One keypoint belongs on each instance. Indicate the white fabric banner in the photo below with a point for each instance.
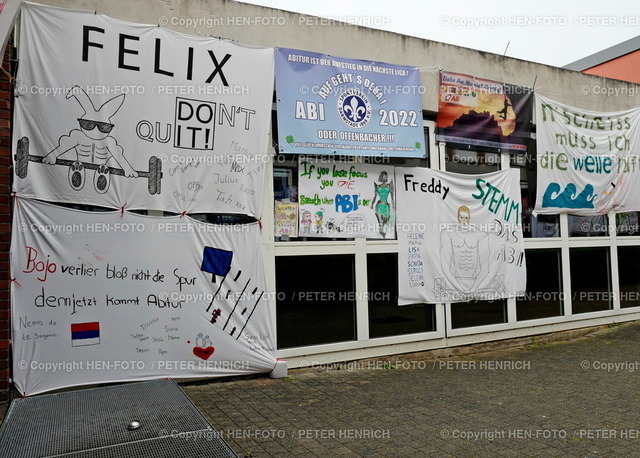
(100, 297)
(459, 236)
(588, 162)
(344, 199)
(112, 113)
(8, 12)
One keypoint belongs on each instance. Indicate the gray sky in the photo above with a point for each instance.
(553, 32)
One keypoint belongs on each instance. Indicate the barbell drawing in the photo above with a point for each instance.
(22, 159)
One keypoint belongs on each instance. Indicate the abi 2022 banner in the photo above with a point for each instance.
(483, 113)
(111, 113)
(459, 236)
(109, 297)
(588, 162)
(344, 199)
(337, 106)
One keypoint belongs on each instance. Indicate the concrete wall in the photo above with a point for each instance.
(272, 27)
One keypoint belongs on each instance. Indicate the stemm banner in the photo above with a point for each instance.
(459, 236)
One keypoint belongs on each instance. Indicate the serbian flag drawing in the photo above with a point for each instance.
(85, 334)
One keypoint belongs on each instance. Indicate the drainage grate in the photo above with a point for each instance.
(93, 423)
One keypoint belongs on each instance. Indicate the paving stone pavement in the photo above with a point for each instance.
(576, 398)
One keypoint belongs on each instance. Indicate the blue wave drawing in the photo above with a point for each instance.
(569, 198)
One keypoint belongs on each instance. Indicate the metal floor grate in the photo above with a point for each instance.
(93, 423)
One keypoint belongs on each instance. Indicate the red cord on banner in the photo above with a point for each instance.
(183, 213)
(16, 282)
(17, 198)
(122, 209)
(260, 223)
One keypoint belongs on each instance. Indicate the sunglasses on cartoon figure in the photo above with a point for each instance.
(87, 124)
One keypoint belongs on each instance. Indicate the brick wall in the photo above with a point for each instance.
(5, 223)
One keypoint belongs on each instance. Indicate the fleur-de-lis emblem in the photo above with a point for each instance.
(353, 109)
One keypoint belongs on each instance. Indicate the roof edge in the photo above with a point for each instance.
(605, 55)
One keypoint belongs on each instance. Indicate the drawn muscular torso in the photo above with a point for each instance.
(89, 150)
(465, 254)
(92, 150)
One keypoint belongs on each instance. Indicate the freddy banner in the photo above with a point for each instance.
(459, 236)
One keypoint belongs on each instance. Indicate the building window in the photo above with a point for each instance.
(628, 224)
(471, 162)
(541, 226)
(588, 226)
(386, 318)
(223, 218)
(315, 303)
(544, 297)
(478, 313)
(285, 183)
(590, 279)
(629, 275)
